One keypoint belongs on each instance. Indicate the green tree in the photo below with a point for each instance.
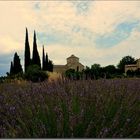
(109, 71)
(50, 66)
(47, 61)
(17, 68)
(87, 72)
(27, 59)
(95, 71)
(36, 58)
(43, 60)
(70, 73)
(125, 61)
(11, 69)
(137, 72)
(96, 66)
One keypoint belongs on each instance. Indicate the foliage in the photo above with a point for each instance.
(47, 60)
(16, 68)
(125, 61)
(15, 65)
(73, 75)
(130, 73)
(70, 73)
(87, 72)
(47, 65)
(110, 71)
(36, 57)
(95, 71)
(43, 60)
(35, 74)
(27, 59)
(11, 68)
(50, 66)
(71, 109)
(137, 72)
(2, 79)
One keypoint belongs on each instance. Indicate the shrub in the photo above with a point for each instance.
(130, 73)
(70, 73)
(73, 75)
(34, 74)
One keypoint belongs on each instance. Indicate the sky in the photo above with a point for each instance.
(96, 31)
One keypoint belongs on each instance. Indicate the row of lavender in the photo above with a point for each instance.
(65, 108)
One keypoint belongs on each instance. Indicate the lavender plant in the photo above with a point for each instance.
(71, 109)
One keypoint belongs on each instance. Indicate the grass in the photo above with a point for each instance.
(71, 109)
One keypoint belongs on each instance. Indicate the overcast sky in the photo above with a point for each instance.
(95, 31)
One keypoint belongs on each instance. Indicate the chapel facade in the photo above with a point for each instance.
(72, 63)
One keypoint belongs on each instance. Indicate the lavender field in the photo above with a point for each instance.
(71, 109)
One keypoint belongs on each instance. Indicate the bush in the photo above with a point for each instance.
(34, 74)
(70, 73)
(73, 75)
(2, 79)
(130, 73)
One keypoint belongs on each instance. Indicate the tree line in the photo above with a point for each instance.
(33, 70)
(107, 72)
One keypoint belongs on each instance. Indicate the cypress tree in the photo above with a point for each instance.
(11, 68)
(36, 58)
(17, 68)
(27, 60)
(43, 60)
(46, 65)
(50, 66)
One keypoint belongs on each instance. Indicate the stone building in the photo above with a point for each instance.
(72, 63)
(133, 67)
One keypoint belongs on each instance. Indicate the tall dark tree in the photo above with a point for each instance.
(47, 61)
(43, 60)
(11, 68)
(17, 68)
(27, 59)
(50, 66)
(36, 58)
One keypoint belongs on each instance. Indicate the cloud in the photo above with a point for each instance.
(120, 33)
(77, 36)
(10, 45)
(82, 7)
